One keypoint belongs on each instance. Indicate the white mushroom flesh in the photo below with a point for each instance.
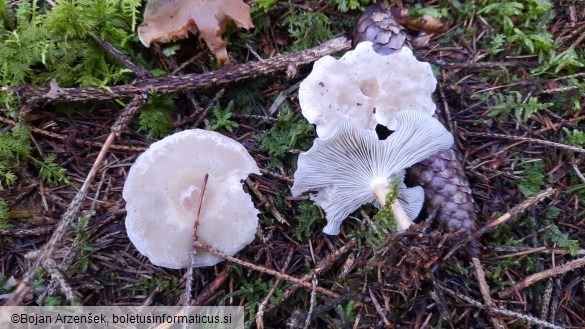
(346, 169)
(162, 196)
(367, 88)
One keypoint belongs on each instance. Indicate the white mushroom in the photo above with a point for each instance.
(367, 88)
(162, 195)
(352, 167)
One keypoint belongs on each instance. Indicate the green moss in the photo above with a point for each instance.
(345, 5)
(4, 215)
(532, 180)
(385, 217)
(288, 132)
(308, 29)
(252, 291)
(383, 220)
(223, 118)
(561, 240)
(308, 218)
(57, 43)
(51, 172)
(522, 24)
(574, 137)
(14, 148)
(156, 117)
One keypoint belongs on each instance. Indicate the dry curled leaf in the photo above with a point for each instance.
(425, 23)
(170, 20)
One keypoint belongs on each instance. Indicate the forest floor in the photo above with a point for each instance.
(510, 80)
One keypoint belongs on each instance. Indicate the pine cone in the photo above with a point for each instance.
(377, 25)
(447, 194)
(448, 197)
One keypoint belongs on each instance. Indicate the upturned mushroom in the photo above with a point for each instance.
(162, 196)
(448, 197)
(352, 167)
(170, 20)
(367, 88)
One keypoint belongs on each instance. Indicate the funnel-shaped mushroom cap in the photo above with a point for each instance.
(170, 20)
(162, 195)
(344, 169)
(367, 88)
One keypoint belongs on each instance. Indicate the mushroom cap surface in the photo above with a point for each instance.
(162, 196)
(343, 169)
(171, 20)
(367, 88)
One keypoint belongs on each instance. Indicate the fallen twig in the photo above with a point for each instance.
(298, 319)
(499, 310)
(113, 147)
(20, 232)
(138, 71)
(578, 172)
(526, 139)
(189, 273)
(546, 299)
(260, 313)
(380, 310)
(173, 84)
(502, 219)
(253, 186)
(211, 288)
(265, 270)
(521, 251)
(485, 290)
(532, 279)
(312, 303)
(323, 265)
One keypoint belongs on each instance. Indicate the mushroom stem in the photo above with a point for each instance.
(400, 217)
(380, 191)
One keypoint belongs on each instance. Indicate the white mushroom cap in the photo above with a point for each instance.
(162, 195)
(367, 88)
(345, 169)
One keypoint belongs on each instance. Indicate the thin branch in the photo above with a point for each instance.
(485, 290)
(312, 303)
(260, 313)
(499, 310)
(211, 288)
(502, 219)
(265, 270)
(532, 279)
(322, 266)
(21, 232)
(578, 172)
(526, 139)
(546, 299)
(79, 141)
(138, 71)
(174, 84)
(380, 310)
(189, 273)
(253, 186)
(487, 65)
(515, 251)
